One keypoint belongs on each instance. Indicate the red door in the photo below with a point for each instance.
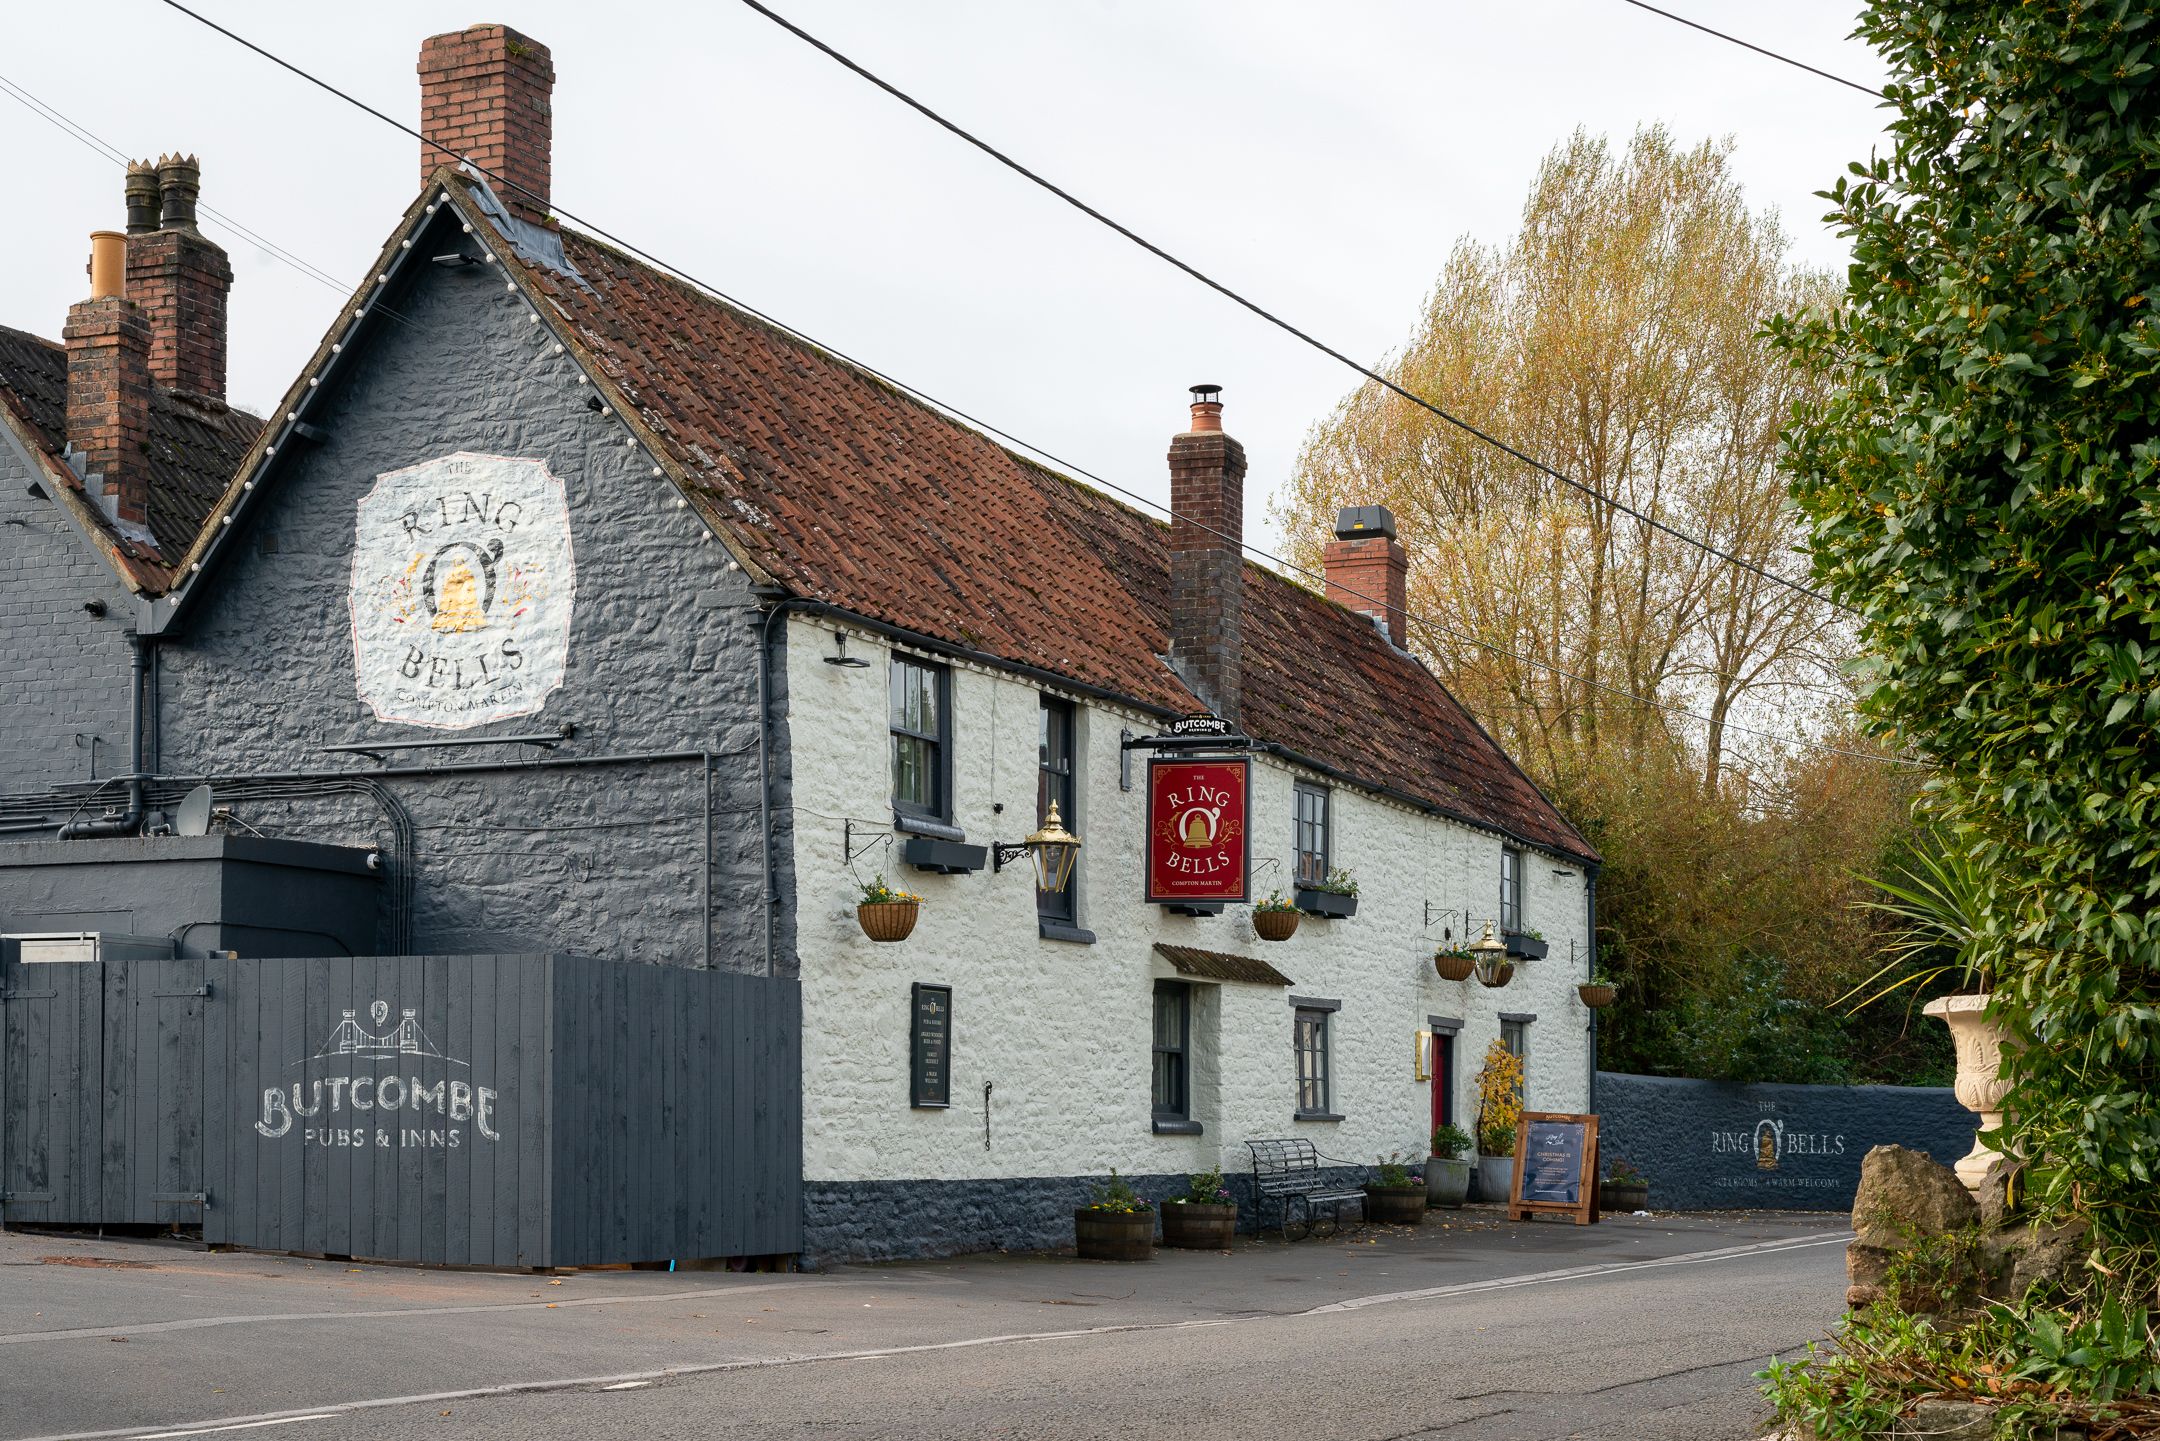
(1443, 1078)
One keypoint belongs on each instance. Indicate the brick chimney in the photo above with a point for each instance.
(1207, 561)
(485, 95)
(108, 385)
(178, 277)
(1368, 570)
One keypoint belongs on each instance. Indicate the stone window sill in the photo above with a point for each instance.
(1177, 1128)
(1316, 1116)
(1059, 931)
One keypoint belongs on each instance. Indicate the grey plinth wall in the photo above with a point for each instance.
(1710, 1146)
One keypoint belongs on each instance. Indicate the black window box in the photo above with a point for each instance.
(1193, 908)
(1317, 1116)
(1165, 1126)
(945, 858)
(1051, 930)
(1529, 948)
(1328, 904)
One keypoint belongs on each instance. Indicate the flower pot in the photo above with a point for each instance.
(1447, 1182)
(1328, 905)
(1980, 1086)
(1114, 1235)
(1498, 976)
(1529, 948)
(1194, 1227)
(887, 920)
(1275, 925)
(1624, 1196)
(1453, 965)
(1495, 1177)
(1396, 1205)
(1597, 998)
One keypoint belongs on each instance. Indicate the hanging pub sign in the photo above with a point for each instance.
(1556, 1161)
(1199, 846)
(462, 589)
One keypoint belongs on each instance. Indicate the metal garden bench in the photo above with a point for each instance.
(1287, 1170)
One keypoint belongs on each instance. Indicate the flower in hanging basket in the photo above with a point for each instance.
(1598, 992)
(1276, 918)
(887, 913)
(1454, 963)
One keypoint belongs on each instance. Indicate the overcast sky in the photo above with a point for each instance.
(1321, 157)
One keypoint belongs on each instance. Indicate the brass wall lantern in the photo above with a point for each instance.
(1489, 958)
(1054, 848)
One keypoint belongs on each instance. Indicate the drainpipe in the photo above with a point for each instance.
(1590, 903)
(130, 821)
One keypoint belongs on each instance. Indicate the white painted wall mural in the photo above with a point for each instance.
(463, 583)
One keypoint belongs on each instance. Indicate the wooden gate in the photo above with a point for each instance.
(101, 1091)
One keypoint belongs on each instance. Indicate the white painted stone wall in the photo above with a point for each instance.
(1062, 1030)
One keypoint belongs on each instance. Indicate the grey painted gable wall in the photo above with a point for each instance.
(604, 861)
(66, 671)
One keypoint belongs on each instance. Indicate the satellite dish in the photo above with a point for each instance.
(194, 819)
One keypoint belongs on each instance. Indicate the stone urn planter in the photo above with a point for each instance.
(1495, 1177)
(1273, 925)
(1104, 1235)
(1447, 1181)
(1624, 1196)
(1396, 1205)
(1453, 965)
(1193, 1227)
(887, 920)
(1980, 1087)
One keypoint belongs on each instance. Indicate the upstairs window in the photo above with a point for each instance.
(1309, 832)
(1054, 783)
(1510, 889)
(920, 739)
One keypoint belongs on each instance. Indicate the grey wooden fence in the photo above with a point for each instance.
(525, 1110)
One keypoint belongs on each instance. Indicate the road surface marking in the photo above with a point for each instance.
(240, 1425)
(622, 1381)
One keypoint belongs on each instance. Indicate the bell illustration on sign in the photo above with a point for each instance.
(1766, 1144)
(463, 582)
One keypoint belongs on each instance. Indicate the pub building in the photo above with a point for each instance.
(563, 610)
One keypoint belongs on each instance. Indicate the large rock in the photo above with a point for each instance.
(2021, 1256)
(1944, 1420)
(1904, 1198)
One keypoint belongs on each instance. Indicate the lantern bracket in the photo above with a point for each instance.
(1003, 855)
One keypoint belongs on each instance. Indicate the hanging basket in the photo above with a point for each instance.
(1453, 965)
(1275, 925)
(1498, 975)
(887, 920)
(1597, 998)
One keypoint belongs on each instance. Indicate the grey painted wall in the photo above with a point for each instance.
(1700, 1142)
(67, 671)
(605, 860)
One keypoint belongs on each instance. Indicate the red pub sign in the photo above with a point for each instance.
(1199, 845)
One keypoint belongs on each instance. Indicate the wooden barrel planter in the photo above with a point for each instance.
(1198, 1228)
(887, 920)
(1396, 1205)
(1618, 1196)
(1453, 965)
(1597, 998)
(1114, 1235)
(1275, 925)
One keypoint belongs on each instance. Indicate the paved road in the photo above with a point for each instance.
(1476, 1331)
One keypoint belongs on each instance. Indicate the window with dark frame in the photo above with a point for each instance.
(1309, 832)
(1515, 1035)
(1510, 889)
(1313, 1098)
(920, 735)
(1054, 781)
(1173, 1051)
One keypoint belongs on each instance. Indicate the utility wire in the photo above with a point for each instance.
(1050, 456)
(1275, 320)
(1759, 50)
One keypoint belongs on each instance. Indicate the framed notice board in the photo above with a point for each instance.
(1556, 1167)
(930, 1046)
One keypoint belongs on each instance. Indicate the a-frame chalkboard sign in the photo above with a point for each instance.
(1556, 1167)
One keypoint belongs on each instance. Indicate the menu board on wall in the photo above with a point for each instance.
(930, 1046)
(1555, 1166)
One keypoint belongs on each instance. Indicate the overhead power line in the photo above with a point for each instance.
(1050, 456)
(1376, 377)
(1759, 50)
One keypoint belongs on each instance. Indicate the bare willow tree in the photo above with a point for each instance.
(1616, 337)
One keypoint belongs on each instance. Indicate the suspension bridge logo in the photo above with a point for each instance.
(387, 1087)
(463, 584)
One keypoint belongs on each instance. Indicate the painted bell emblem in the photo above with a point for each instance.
(1200, 825)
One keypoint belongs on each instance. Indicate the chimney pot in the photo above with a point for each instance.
(486, 95)
(1207, 556)
(108, 264)
(179, 186)
(144, 200)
